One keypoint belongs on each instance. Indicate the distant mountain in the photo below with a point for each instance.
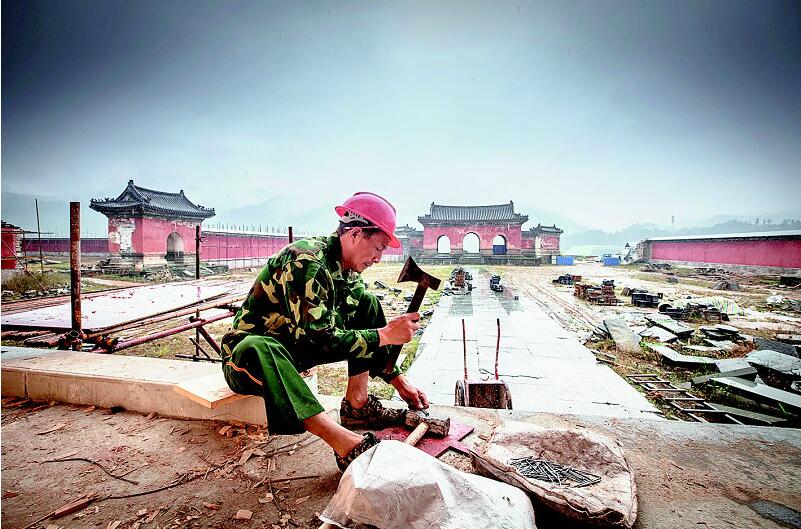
(574, 242)
(277, 213)
(773, 218)
(537, 215)
(54, 215)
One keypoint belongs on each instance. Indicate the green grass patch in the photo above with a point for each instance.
(23, 282)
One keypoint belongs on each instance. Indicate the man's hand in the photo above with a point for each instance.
(400, 330)
(414, 397)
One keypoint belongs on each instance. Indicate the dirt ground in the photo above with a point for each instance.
(278, 479)
(150, 472)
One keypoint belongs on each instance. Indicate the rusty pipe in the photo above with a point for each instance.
(163, 334)
(142, 322)
(75, 266)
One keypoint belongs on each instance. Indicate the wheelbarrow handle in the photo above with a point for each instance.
(464, 346)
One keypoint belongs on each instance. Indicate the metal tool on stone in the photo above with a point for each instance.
(411, 272)
(422, 424)
(493, 394)
(543, 470)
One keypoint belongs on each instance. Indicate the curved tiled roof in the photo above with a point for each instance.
(495, 213)
(139, 200)
(546, 229)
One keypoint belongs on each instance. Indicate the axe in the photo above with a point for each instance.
(411, 272)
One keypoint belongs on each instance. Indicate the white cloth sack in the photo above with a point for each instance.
(394, 485)
(612, 502)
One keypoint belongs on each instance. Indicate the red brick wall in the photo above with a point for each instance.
(549, 242)
(10, 241)
(150, 235)
(61, 246)
(783, 254)
(486, 234)
(216, 246)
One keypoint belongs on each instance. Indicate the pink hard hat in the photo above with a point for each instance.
(375, 209)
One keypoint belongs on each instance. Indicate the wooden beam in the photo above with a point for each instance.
(210, 391)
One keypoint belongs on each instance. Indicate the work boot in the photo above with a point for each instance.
(367, 443)
(371, 415)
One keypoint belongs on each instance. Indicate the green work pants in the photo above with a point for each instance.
(263, 366)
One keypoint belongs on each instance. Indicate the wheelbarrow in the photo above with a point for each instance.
(483, 393)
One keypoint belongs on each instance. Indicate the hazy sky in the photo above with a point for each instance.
(608, 113)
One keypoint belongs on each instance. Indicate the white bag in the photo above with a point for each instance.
(394, 485)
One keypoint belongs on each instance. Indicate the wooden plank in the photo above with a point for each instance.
(210, 391)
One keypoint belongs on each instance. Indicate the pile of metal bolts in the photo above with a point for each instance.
(551, 472)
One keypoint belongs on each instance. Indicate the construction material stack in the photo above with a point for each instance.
(599, 295)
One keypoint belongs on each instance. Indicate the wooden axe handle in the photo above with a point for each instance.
(417, 434)
(414, 306)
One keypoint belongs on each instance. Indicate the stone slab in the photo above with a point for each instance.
(134, 383)
(762, 392)
(659, 333)
(668, 323)
(552, 371)
(674, 357)
(751, 416)
(625, 339)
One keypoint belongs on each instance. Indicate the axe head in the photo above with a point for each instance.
(436, 427)
(412, 272)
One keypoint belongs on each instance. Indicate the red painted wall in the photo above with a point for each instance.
(9, 252)
(150, 235)
(512, 233)
(229, 246)
(783, 254)
(394, 251)
(549, 242)
(61, 245)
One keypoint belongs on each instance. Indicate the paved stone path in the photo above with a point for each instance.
(545, 367)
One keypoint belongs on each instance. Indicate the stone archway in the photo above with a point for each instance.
(443, 244)
(499, 245)
(471, 243)
(175, 247)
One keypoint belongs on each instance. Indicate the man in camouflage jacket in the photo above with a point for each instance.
(308, 306)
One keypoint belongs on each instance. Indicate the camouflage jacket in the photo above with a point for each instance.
(303, 298)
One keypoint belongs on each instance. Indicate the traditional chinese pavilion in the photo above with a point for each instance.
(151, 227)
(482, 234)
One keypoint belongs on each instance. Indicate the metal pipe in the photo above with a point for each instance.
(197, 276)
(210, 339)
(464, 345)
(39, 234)
(218, 304)
(163, 334)
(75, 265)
(497, 347)
(197, 251)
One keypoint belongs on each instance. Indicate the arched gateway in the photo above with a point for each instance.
(483, 234)
(150, 227)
